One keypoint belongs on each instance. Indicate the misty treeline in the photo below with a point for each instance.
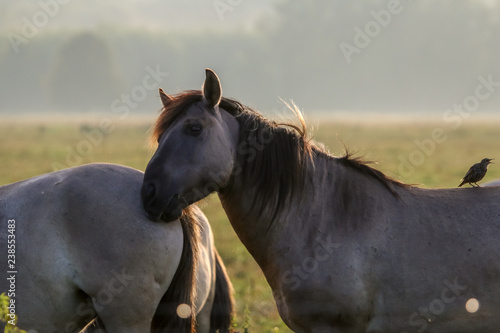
(325, 55)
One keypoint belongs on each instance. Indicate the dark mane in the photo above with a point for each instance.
(273, 155)
(362, 166)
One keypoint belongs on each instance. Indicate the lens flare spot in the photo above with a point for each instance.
(472, 305)
(184, 311)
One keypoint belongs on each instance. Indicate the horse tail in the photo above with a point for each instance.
(222, 309)
(182, 290)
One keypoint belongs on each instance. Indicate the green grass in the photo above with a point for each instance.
(30, 148)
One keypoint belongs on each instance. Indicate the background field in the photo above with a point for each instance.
(29, 147)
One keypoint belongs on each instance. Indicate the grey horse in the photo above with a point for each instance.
(343, 247)
(83, 248)
(495, 182)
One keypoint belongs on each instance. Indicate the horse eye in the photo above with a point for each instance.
(194, 129)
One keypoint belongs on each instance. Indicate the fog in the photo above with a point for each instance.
(350, 56)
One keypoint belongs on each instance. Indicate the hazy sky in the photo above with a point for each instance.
(142, 14)
(325, 54)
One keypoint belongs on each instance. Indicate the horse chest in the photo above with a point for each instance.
(323, 288)
(316, 307)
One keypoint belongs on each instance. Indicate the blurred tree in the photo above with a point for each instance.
(427, 57)
(84, 76)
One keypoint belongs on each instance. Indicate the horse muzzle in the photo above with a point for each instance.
(161, 210)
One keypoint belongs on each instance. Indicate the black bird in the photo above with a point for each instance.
(476, 172)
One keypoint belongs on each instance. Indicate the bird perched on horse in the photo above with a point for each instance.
(476, 172)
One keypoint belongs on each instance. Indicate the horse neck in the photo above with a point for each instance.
(335, 197)
(258, 228)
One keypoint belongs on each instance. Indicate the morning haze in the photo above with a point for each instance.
(377, 56)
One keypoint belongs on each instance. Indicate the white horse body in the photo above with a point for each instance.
(84, 248)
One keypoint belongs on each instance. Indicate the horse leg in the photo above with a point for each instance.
(130, 310)
(205, 284)
(118, 321)
(223, 303)
(216, 314)
(203, 317)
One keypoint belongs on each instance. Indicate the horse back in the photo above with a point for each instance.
(436, 247)
(82, 234)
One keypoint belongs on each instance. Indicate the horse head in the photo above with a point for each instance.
(196, 151)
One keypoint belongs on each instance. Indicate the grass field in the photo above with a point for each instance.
(429, 153)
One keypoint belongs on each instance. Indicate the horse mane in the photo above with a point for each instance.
(273, 155)
(357, 163)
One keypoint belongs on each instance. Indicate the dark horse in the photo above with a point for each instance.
(343, 247)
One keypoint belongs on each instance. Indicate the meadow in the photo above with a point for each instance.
(428, 152)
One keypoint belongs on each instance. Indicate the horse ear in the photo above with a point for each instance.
(212, 91)
(165, 99)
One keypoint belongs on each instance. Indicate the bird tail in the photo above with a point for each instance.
(463, 182)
